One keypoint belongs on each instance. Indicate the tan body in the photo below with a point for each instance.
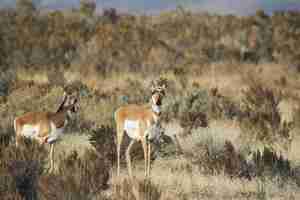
(142, 118)
(141, 113)
(45, 127)
(46, 124)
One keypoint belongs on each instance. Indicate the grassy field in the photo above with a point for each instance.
(198, 170)
(230, 115)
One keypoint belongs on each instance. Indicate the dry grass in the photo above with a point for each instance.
(37, 77)
(173, 177)
(177, 181)
(113, 63)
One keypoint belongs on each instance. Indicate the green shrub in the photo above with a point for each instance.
(103, 140)
(268, 163)
(191, 110)
(198, 106)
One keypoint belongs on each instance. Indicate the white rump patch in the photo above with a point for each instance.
(30, 131)
(131, 127)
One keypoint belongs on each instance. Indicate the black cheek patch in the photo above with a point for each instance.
(158, 102)
(73, 109)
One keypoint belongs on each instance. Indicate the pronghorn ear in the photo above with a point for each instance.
(64, 97)
(153, 89)
(62, 102)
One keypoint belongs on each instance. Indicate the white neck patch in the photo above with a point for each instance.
(156, 108)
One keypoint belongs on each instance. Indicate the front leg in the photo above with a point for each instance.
(149, 158)
(128, 159)
(51, 158)
(145, 148)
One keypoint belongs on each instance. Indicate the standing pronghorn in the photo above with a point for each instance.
(140, 123)
(46, 127)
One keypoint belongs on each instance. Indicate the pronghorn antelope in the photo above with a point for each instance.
(140, 123)
(46, 127)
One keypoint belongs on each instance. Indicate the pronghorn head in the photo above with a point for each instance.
(69, 103)
(158, 92)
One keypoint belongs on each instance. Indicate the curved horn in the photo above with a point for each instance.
(153, 88)
(62, 102)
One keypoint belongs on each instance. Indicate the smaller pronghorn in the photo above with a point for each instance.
(46, 127)
(140, 123)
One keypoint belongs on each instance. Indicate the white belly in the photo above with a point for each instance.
(30, 131)
(55, 133)
(132, 128)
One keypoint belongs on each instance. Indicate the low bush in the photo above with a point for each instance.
(20, 170)
(7, 79)
(191, 110)
(103, 140)
(213, 157)
(261, 120)
(136, 189)
(268, 163)
(77, 178)
(198, 107)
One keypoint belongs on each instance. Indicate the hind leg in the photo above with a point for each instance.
(18, 140)
(120, 134)
(51, 158)
(128, 158)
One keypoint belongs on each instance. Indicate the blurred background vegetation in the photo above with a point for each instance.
(231, 113)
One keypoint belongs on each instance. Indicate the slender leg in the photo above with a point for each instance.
(144, 143)
(120, 133)
(16, 129)
(51, 157)
(128, 159)
(118, 158)
(18, 139)
(149, 158)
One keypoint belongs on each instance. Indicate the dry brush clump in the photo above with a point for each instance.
(7, 79)
(198, 107)
(261, 120)
(24, 174)
(103, 140)
(77, 177)
(20, 170)
(268, 163)
(213, 155)
(190, 110)
(136, 189)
